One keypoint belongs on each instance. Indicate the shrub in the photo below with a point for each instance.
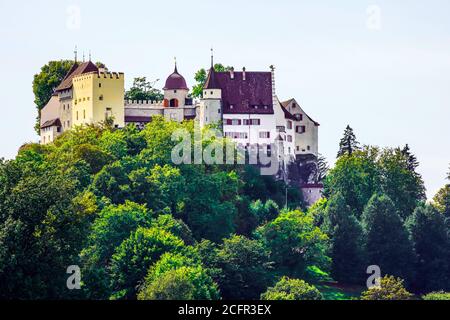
(391, 288)
(292, 289)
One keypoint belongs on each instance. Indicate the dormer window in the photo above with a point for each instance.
(231, 106)
(174, 91)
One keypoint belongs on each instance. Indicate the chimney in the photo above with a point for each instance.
(243, 73)
(232, 73)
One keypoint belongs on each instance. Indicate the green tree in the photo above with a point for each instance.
(245, 269)
(113, 225)
(387, 242)
(348, 143)
(321, 170)
(135, 255)
(294, 243)
(292, 289)
(178, 277)
(46, 81)
(39, 228)
(200, 78)
(356, 178)
(391, 288)
(346, 237)
(431, 241)
(441, 201)
(400, 181)
(143, 90)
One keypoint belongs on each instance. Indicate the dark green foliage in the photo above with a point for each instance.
(348, 143)
(356, 178)
(143, 90)
(178, 277)
(292, 289)
(294, 243)
(400, 181)
(387, 242)
(240, 266)
(430, 236)
(200, 78)
(46, 81)
(135, 255)
(369, 171)
(346, 237)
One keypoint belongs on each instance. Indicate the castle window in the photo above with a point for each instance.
(77, 115)
(212, 93)
(173, 103)
(218, 110)
(101, 97)
(300, 129)
(289, 124)
(99, 85)
(289, 138)
(252, 122)
(264, 134)
(309, 148)
(84, 114)
(174, 91)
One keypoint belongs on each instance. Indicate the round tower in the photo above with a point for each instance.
(175, 90)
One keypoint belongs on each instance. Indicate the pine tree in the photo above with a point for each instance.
(346, 233)
(348, 143)
(432, 245)
(387, 241)
(411, 160)
(321, 169)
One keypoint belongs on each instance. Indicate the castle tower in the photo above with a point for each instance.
(175, 90)
(211, 103)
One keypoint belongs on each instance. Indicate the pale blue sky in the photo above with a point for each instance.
(391, 84)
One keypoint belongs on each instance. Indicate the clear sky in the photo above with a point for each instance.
(381, 66)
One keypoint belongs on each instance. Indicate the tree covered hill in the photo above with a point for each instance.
(139, 227)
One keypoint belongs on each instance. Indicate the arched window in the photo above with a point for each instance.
(173, 103)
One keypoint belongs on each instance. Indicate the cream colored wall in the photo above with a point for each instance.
(180, 95)
(49, 134)
(112, 89)
(311, 135)
(82, 106)
(87, 90)
(65, 109)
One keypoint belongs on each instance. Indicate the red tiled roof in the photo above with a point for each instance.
(76, 70)
(252, 95)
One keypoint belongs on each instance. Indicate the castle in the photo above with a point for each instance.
(244, 102)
